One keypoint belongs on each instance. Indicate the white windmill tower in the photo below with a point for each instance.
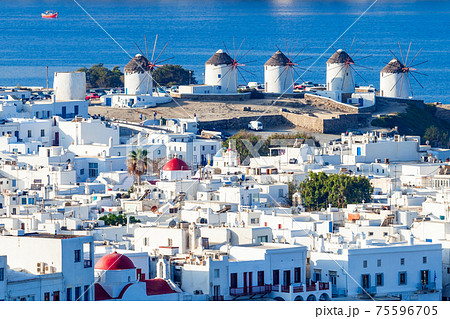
(140, 68)
(340, 73)
(222, 70)
(394, 77)
(279, 72)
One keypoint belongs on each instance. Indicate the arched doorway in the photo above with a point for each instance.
(311, 298)
(298, 298)
(324, 297)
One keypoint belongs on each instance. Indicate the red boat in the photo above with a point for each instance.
(49, 14)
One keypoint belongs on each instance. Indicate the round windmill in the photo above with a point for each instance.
(394, 77)
(341, 70)
(279, 72)
(138, 72)
(222, 70)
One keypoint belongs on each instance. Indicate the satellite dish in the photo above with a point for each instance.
(172, 223)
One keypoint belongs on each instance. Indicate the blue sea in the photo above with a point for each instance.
(195, 29)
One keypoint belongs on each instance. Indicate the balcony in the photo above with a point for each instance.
(252, 290)
(368, 291)
(426, 286)
(301, 291)
(87, 263)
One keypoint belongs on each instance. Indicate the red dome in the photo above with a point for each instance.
(114, 261)
(175, 164)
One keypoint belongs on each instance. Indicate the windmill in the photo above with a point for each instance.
(279, 72)
(140, 68)
(394, 77)
(222, 70)
(341, 70)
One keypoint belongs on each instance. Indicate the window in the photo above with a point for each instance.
(46, 296)
(216, 273)
(77, 293)
(86, 293)
(2, 274)
(77, 255)
(219, 75)
(276, 277)
(212, 148)
(24, 200)
(260, 278)
(42, 133)
(402, 278)
(233, 280)
(29, 133)
(93, 169)
(254, 221)
(169, 242)
(364, 263)
(145, 241)
(82, 171)
(378, 262)
(385, 234)
(280, 193)
(263, 239)
(365, 281)
(424, 275)
(297, 274)
(203, 148)
(402, 261)
(380, 279)
(370, 233)
(424, 260)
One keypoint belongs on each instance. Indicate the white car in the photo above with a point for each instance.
(255, 125)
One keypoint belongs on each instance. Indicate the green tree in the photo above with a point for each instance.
(99, 76)
(137, 164)
(436, 136)
(320, 189)
(171, 74)
(120, 219)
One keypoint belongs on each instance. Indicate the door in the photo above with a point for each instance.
(245, 283)
(108, 101)
(64, 112)
(216, 291)
(287, 278)
(366, 281)
(250, 282)
(56, 141)
(75, 109)
(424, 277)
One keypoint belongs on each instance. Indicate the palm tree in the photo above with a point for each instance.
(137, 164)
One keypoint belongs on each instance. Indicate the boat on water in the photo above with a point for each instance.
(49, 14)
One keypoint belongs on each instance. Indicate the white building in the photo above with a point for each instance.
(393, 80)
(340, 73)
(279, 74)
(221, 71)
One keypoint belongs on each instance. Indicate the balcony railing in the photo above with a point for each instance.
(300, 287)
(429, 286)
(252, 290)
(324, 285)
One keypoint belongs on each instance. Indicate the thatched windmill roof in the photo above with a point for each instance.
(340, 56)
(220, 58)
(138, 64)
(394, 66)
(278, 59)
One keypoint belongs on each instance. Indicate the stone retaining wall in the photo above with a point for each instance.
(213, 97)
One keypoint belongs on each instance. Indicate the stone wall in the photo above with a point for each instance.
(213, 97)
(338, 124)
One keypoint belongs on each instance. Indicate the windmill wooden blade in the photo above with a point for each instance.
(146, 49)
(409, 82)
(299, 76)
(401, 82)
(156, 60)
(418, 73)
(397, 82)
(343, 80)
(351, 47)
(415, 56)
(412, 66)
(343, 41)
(358, 74)
(244, 55)
(401, 53)
(246, 82)
(359, 49)
(166, 59)
(146, 74)
(394, 54)
(229, 69)
(139, 49)
(363, 58)
(407, 54)
(279, 76)
(226, 49)
(237, 54)
(248, 72)
(154, 48)
(337, 73)
(299, 53)
(416, 80)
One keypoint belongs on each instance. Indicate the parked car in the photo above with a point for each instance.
(255, 125)
(92, 96)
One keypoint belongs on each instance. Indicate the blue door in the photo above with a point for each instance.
(108, 101)
(358, 151)
(64, 112)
